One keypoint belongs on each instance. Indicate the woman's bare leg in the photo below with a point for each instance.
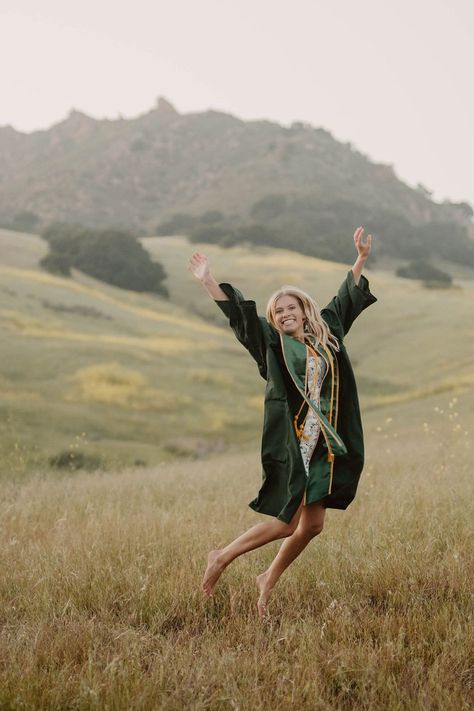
(310, 523)
(255, 537)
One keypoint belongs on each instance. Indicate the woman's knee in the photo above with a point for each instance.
(312, 520)
(313, 528)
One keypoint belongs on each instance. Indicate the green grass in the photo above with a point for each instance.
(135, 377)
(408, 316)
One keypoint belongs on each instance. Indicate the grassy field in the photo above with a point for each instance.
(101, 604)
(125, 378)
(100, 594)
(84, 364)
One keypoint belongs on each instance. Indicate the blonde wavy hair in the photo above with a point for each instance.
(314, 324)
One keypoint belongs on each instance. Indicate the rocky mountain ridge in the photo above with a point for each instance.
(134, 173)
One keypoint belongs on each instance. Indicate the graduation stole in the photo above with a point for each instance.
(295, 351)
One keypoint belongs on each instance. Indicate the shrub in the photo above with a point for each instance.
(176, 224)
(269, 207)
(211, 217)
(114, 256)
(213, 234)
(25, 221)
(56, 263)
(74, 460)
(425, 272)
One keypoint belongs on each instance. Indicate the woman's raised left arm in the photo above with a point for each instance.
(354, 294)
(363, 251)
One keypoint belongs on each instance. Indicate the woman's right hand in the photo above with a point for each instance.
(199, 265)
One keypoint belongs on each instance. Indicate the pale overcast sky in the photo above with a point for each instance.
(394, 78)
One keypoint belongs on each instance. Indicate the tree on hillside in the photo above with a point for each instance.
(114, 256)
(213, 234)
(25, 221)
(449, 240)
(182, 223)
(211, 217)
(176, 224)
(56, 263)
(425, 272)
(268, 207)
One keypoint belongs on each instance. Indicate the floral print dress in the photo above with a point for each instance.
(310, 434)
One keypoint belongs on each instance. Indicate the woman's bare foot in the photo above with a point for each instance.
(265, 592)
(213, 572)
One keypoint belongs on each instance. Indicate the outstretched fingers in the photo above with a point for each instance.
(198, 264)
(363, 246)
(357, 234)
(196, 258)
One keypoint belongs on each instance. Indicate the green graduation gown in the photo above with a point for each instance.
(337, 461)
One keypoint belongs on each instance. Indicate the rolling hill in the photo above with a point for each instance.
(299, 183)
(130, 378)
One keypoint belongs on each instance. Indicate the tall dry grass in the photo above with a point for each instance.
(101, 604)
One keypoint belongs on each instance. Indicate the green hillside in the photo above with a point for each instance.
(130, 378)
(287, 186)
(389, 338)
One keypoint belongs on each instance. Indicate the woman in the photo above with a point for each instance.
(312, 443)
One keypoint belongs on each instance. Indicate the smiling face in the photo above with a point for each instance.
(289, 316)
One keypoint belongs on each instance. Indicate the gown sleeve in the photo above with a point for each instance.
(251, 330)
(350, 301)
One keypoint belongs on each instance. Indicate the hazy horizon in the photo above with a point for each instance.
(394, 81)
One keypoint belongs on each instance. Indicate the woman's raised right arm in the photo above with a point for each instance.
(250, 330)
(199, 265)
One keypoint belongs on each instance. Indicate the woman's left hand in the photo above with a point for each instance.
(363, 247)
